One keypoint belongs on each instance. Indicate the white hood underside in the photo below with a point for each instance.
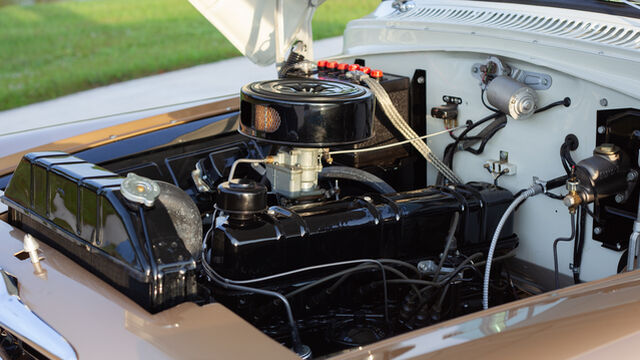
(251, 25)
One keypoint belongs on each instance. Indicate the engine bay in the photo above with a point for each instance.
(334, 218)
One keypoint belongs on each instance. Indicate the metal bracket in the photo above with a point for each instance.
(498, 168)
(452, 99)
(495, 67)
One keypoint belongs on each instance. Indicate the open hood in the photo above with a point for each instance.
(263, 30)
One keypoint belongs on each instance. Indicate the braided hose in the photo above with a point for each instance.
(406, 131)
(534, 190)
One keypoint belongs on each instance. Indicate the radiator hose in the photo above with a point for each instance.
(533, 190)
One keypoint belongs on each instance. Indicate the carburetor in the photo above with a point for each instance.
(294, 172)
(302, 117)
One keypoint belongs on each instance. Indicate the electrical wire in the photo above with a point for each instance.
(451, 149)
(316, 267)
(508, 255)
(590, 213)
(449, 276)
(305, 269)
(353, 151)
(450, 236)
(485, 104)
(555, 249)
(345, 274)
(218, 279)
(565, 156)
(578, 244)
(403, 264)
(566, 102)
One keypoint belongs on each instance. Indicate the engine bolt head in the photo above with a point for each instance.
(597, 230)
(604, 102)
(619, 198)
(601, 129)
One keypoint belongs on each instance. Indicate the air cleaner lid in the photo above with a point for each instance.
(306, 112)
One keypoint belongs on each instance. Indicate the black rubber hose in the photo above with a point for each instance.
(349, 173)
(570, 143)
(556, 182)
(555, 249)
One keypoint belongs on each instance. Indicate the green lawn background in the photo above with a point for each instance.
(53, 49)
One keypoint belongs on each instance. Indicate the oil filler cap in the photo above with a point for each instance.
(241, 197)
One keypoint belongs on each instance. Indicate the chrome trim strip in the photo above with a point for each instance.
(18, 319)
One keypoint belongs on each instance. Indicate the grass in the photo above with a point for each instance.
(53, 49)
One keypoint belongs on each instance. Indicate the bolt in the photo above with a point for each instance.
(601, 129)
(632, 175)
(618, 246)
(31, 247)
(420, 80)
(545, 81)
(474, 69)
(619, 198)
(504, 155)
(604, 102)
(367, 199)
(597, 230)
